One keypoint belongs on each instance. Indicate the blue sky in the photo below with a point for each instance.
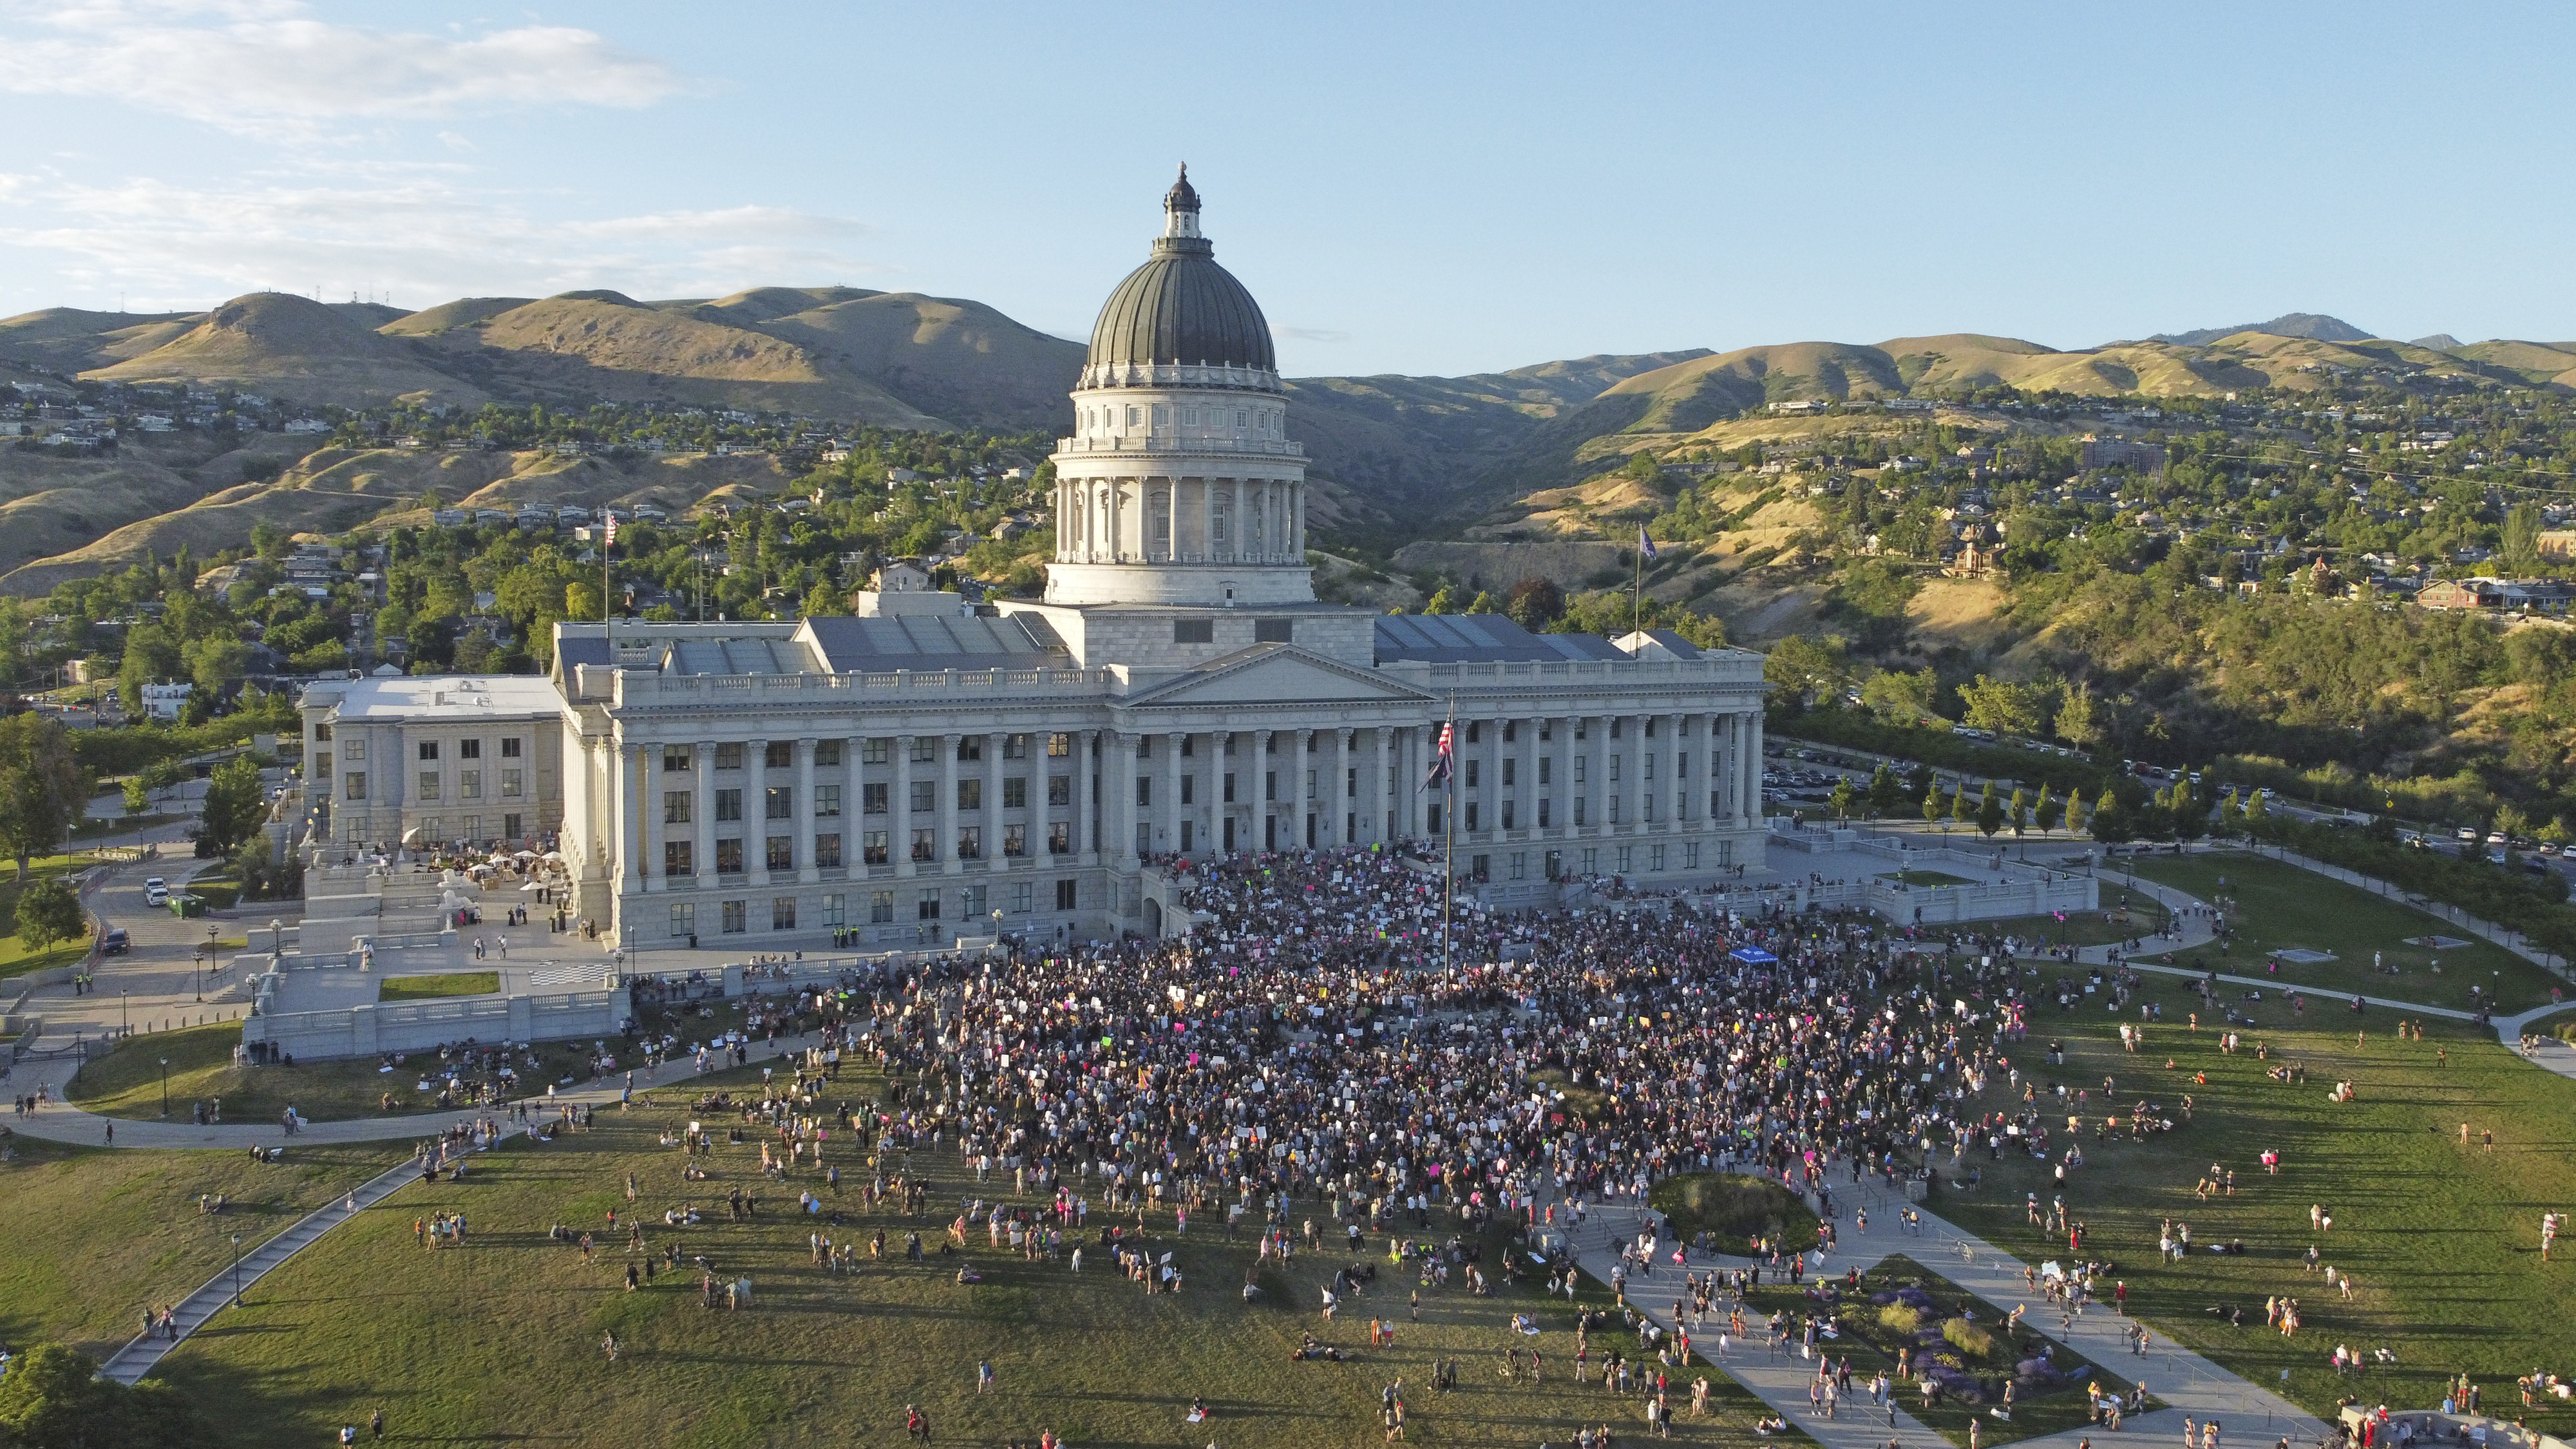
(1407, 188)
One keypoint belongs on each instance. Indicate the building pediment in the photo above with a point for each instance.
(1278, 674)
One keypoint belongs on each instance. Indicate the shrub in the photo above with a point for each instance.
(1899, 1318)
(1968, 1338)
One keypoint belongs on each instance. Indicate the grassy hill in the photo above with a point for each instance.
(296, 347)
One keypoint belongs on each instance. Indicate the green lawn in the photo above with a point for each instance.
(2280, 907)
(89, 1237)
(2112, 924)
(2443, 1240)
(500, 1340)
(127, 1081)
(17, 960)
(1734, 1209)
(455, 983)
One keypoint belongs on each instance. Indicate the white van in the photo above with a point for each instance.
(156, 891)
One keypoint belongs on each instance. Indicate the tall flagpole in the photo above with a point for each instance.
(1449, 823)
(1637, 588)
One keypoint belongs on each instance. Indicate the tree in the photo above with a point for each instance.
(2110, 823)
(1803, 670)
(1535, 603)
(53, 1398)
(1440, 602)
(2005, 707)
(2074, 813)
(1483, 603)
(215, 661)
(1960, 810)
(2017, 810)
(1990, 814)
(236, 803)
(1899, 697)
(823, 601)
(2258, 817)
(581, 601)
(138, 796)
(1884, 791)
(1931, 804)
(2075, 719)
(2039, 808)
(41, 785)
(1841, 798)
(47, 912)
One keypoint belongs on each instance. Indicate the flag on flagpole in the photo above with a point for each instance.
(1645, 545)
(1440, 758)
(611, 532)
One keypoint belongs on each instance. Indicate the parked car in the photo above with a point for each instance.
(116, 942)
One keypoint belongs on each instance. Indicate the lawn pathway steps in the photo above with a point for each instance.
(129, 1364)
(2187, 1384)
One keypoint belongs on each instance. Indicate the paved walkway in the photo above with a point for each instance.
(2187, 1384)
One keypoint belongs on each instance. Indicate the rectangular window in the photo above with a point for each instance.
(876, 752)
(925, 749)
(1065, 894)
(1519, 865)
(1269, 785)
(1189, 789)
(925, 796)
(513, 785)
(1015, 792)
(1473, 774)
(970, 902)
(353, 785)
(429, 784)
(676, 757)
(1310, 784)
(873, 848)
(675, 807)
(322, 764)
(778, 754)
(970, 842)
(782, 913)
(1545, 809)
(1507, 815)
(880, 908)
(1511, 775)
(355, 750)
(432, 828)
(1592, 860)
(833, 912)
(729, 857)
(729, 757)
(925, 905)
(1273, 631)
(469, 749)
(1024, 898)
(827, 802)
(1654, 857)
(872, 799)
(1059, 747)
(970, 747)
(1015, 747)
(1614, 768)
(1015, 840)
(1059, 790)
(1481, 867)
(1545, 774)
(970, 794)
(1582, 766)
(469, 784)
(1194, 631)
(827, 849)
(684, 919)
(1059, 838)
(1144, 838)
(827, 753)
(429, 749)
(1227, 792)
(1627, 859)
(322, 733)
(779, 802)
(677, 858)
(1582, 807)
(510, 827)
(1681, 764)
(728, 805)
(736, 917)
(925, 844)
(1690, 855)
(781, 854)
(1471, 826)
(510, 748)
(1649, 763)
(1145, 790)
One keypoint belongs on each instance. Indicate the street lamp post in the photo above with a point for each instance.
(121, 1028)
(165, 1086)
(237, 1270)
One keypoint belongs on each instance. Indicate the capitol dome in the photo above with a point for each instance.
(1180, 308)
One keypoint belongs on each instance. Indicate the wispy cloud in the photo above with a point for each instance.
(422, 239)
(1312, 334)
(269, 68)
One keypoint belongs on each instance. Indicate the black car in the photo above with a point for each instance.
(115, 943)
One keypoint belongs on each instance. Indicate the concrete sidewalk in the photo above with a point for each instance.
(2187, 1384)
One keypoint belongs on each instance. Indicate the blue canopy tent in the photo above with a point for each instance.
(1753, 956)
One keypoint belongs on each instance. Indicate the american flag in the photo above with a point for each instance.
(611, 534)
(1440, 760)
(1645, 545)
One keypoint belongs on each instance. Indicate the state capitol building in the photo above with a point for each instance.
(908, 773)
